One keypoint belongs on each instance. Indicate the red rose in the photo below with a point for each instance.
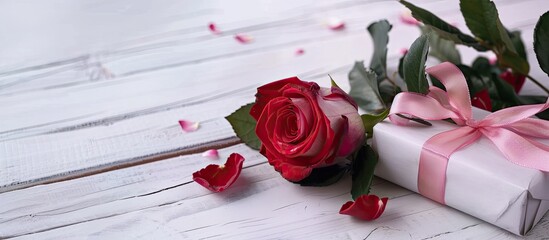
(303, 126)
(515, 80)
(482, 100)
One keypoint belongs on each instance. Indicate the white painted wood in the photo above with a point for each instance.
(92, 87)
(121, 105)
(159, 201)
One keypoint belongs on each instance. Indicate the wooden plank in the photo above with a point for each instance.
(159, 201)
(71, 130)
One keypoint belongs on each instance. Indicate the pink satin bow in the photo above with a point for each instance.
(510, 129)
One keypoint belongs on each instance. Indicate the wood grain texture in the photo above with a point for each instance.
(89, 91)
(119, 106)
(159, 201)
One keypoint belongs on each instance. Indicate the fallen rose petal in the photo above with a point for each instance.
(217, 178)
(407, 18)
(213, 28)
(188, 126)
(299, 52)
(335, 24)
(211, 154)
(243, 38)
(366, 207)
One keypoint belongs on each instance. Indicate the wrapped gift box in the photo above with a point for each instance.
(479, 180)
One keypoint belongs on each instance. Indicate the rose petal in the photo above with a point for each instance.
(242, 38)
(407, 18)
(299, 52)
(366, 207)
(188, 126)
(213, 28)
(335, 24)
(493, 60)
(217, 178)
(211, 154)
(516, 80)
(482, 100)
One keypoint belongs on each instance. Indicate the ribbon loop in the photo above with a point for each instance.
(510, 129)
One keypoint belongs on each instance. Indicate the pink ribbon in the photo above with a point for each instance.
(510, 129)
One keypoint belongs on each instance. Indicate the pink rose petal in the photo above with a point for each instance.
(188, 126)
(407, 18)
(242, 38)
(211, 154)
(335, 24)
(299, 52)
(213, 28)
(493, 60)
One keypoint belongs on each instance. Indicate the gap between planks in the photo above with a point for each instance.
(223, 143)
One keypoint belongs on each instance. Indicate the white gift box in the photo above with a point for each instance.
(479, 180)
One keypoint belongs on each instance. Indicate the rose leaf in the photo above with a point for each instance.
(440, 48)
(244, 126)
(414, 66)
(365, 89)
(363, 171)
(370, 120)
(481, 16)
(444, 29)
(324, 176)
(541, 38)
(380, 34)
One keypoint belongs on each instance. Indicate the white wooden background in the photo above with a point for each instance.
(91, 92)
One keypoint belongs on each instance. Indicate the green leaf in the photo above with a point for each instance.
(481, 16)
(388, 92)
(514, 61)
(518, 43)
(334, 84)
(370, 120)
(363, 171)
(244, 126)
(506, 92)
(541, 40)
(324, 176)
(365, 89)
(440, 48)
(401, 66)
(443, 29)
(414, 66)
(380, 34)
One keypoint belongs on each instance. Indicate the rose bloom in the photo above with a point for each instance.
(303, 126)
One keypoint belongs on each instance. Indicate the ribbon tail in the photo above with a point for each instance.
(519, 149)
(433, 160)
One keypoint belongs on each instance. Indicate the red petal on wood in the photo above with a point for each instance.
(217, 178)
(213, 28)
(242, 38)
(366, 207)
